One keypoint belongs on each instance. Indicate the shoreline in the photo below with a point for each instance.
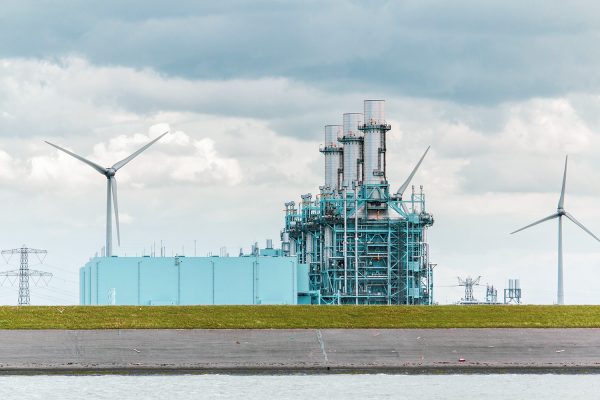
(241, 371)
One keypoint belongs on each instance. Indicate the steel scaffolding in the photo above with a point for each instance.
(357, 260)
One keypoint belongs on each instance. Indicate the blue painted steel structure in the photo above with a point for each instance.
(193, 280)
(363, 244)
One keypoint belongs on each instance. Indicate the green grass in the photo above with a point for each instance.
(278, 317)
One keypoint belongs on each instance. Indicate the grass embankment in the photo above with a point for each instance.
(279, 317)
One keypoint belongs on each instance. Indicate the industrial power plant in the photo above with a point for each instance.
(363, 242)
(356, 242)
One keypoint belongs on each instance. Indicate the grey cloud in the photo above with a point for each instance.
(464, 51)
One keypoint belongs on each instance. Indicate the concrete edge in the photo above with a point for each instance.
(317, 370)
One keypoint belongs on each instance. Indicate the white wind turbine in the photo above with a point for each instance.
(560, 212)
(111, 187)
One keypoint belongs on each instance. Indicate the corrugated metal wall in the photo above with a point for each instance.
(192, 280)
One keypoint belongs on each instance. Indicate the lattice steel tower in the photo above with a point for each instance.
(24, 273)
(468, 283)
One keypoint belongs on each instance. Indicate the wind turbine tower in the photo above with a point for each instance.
(111, 187)
(560, 213)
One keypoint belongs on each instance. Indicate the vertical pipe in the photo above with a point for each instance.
(356, 244)
(345, 241)
(406, 256)
(389, 264)
(108, 218)
(560, 295)
(322, 249)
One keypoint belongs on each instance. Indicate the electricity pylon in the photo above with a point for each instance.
(468, 283)
(24, 273)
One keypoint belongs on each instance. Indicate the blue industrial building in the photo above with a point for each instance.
(259, 279)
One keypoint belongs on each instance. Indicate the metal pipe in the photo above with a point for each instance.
(389, 262)
(345, 241)
(356, 244)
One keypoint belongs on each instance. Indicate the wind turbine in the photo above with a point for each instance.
(560, 213)
(111, 187)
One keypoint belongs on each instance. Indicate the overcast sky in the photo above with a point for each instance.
(502, 91)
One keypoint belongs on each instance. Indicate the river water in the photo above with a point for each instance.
(347, 387)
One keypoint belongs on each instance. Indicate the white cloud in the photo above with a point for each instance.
(546, 126)
(7, 167)
(223, 173)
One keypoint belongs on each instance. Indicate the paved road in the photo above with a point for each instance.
(299, 350)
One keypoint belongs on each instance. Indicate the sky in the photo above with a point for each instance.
(501, 90)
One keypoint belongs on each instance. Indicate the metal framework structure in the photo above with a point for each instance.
(468, 283)
(491, 294)
(512, 295)
(24, 273)
(363, 243)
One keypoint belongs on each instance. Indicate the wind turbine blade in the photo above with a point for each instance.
(412, 174)
(572, 218)
(561, 201)
(98, 168)
(122, 163)
(555, 215)
(113, 183)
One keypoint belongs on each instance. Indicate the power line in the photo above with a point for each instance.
(62, 292)
(56, 299)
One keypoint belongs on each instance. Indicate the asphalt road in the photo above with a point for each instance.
(302, 351)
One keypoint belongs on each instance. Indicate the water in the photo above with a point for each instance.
(347, 387)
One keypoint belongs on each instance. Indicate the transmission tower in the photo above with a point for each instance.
(24, 273)
(468, 283)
